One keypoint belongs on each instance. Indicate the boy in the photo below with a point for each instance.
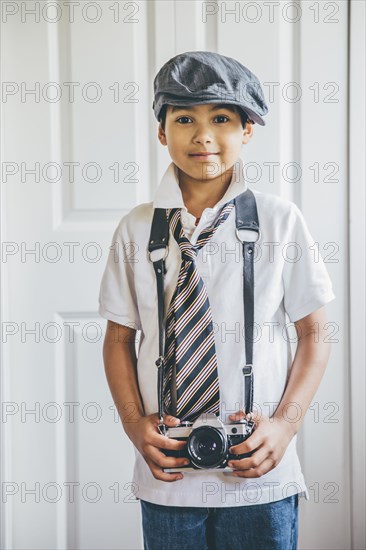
(207, 105)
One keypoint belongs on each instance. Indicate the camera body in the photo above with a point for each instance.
(208, 441)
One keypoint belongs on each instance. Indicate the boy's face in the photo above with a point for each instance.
(204, 128)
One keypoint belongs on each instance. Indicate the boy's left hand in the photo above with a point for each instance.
(269, 442)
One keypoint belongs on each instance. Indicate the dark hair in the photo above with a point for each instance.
(243, 116)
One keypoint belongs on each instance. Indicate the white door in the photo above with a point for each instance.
(73, 165)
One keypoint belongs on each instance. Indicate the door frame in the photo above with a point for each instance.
(356, 266)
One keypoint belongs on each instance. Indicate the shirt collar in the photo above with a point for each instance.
(169, 194)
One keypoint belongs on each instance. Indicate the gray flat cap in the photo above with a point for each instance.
(197, 77)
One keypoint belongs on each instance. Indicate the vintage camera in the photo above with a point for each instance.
(208, 441)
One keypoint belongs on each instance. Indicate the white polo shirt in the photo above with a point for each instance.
(291, 281)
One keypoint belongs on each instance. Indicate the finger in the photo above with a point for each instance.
(251, 444)
(265, 467)
(163, 476)
(238, 415)
(170, 420)
(255, 440)
(164, 442)
(253, 461)
(166, 461)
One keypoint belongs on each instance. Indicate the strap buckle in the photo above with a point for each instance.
(248, 369)
(162, 257)
(162, 427)
(243, 239)
(159, 361)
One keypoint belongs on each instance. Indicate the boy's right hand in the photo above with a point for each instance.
(148, 441)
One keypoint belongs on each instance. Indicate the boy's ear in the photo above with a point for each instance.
(247, 132)
(161, 135)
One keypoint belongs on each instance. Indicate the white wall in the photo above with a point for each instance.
(321, 133)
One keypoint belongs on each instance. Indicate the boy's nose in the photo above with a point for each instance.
(203, 136)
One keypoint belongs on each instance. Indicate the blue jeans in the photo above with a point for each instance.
(272, 526)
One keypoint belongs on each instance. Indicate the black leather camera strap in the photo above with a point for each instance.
(246, 218)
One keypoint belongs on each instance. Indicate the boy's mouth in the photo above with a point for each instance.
(202, 154)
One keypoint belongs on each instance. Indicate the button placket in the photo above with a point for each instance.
(203, 260)
(203, 265)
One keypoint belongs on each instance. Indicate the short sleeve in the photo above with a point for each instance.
(117, 296)
(307, 285)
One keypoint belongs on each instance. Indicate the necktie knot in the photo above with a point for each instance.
(189, 251)
(189, 255)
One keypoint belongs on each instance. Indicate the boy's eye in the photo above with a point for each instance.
(183, 117)
(222, 116)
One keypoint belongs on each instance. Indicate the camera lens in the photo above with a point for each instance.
(207, 447)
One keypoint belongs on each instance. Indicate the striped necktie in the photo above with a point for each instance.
(191, 385)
